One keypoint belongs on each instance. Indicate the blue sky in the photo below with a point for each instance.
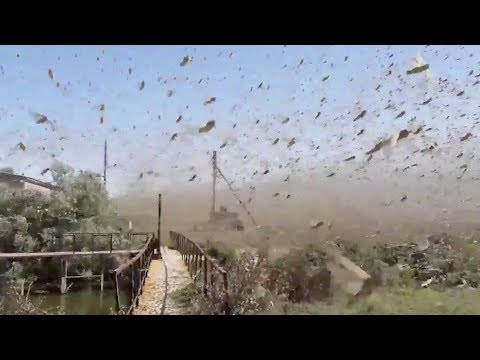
(92, 75)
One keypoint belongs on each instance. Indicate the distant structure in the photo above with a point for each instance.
(19, 182)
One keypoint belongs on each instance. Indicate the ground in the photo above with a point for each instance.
(357, 216)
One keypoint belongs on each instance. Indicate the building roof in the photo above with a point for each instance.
(21, 178)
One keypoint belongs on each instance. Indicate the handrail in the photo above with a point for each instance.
(201, 265)
(124, 266)
(93, 235)
(139, 266)
(60, 250)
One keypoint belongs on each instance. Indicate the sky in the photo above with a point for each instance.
(256, 88)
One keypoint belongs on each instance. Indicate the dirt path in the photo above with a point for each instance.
(164, 278)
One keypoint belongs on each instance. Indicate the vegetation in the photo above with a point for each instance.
(255, 284)
(13, 302)
(392, 301)
(7, 170)
(33, 222)
(299, 283)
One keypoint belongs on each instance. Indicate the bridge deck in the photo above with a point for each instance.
(160, 285)
(65, 254)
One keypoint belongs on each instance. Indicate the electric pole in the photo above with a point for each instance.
(105, 164)
(214, 165)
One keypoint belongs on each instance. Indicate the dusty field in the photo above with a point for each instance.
(360, 213)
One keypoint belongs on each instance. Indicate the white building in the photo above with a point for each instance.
(20, 182)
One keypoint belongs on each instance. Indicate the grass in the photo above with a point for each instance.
(386, 301)
(187, 298)
(394, 301)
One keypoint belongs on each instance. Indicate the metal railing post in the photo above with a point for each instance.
(214, 278)
(205, 276)
(114, 276)
(159, 224)
(226, 297)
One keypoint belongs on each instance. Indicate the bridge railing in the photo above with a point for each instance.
(135, 271)
(204, 269)
(61, 240)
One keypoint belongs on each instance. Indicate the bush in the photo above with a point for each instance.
(255, 285)
(12, 302)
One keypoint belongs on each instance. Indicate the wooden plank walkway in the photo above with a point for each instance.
(161, 283)
(65, 253)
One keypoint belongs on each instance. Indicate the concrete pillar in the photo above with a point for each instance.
(63, 274)
(101, 280)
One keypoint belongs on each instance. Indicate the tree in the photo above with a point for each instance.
(7, 170)
(31, 221)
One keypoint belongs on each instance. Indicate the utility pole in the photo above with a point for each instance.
(105, 164)
(214, 174)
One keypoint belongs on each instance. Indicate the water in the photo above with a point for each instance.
(87, 301)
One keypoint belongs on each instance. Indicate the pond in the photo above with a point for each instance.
(86, 301)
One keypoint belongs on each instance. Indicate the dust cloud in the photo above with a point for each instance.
(362, 212)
